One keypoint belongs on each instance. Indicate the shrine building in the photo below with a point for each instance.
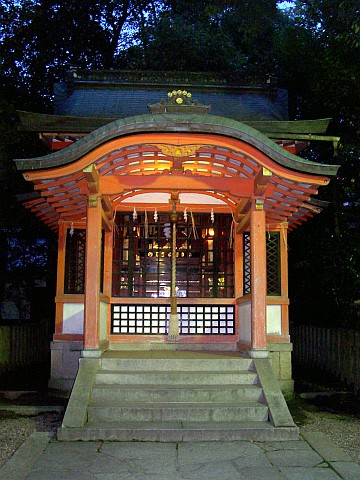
(172, 196)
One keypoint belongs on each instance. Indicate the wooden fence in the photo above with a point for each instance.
(22, 345)
(333, 351)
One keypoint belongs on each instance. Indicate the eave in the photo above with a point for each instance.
(189, 123)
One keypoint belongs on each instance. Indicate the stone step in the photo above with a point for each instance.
(184, 412)
(178, 432)
(177, 378)
(154, 345)
(203, 363)
(176, 393)
(186, 396)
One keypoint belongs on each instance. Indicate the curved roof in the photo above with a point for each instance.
(182, 123)
(222, 163)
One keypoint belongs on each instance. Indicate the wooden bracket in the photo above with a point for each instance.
(243, 223)
(261, 181)
(93, 201)
(107, 206)
(107, 216)
(92, 179)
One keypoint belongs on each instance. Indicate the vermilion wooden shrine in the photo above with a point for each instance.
(173, 226)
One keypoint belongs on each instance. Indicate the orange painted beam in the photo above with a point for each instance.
(238, 264)
(92, 273)
(60, 276)
(284, 259)
(160, 207)
(108, 255)
(284, 277)
(111, 185)
(258, 276)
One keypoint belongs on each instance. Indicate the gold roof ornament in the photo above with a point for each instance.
(179, 101)
(177, 150)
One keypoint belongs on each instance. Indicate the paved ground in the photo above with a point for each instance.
(313, 457)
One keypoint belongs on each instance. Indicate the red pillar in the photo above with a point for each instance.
(92, 273)
(60, 277)
(258, 279)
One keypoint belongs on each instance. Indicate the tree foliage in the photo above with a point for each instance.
(40, 37)
(323, 79)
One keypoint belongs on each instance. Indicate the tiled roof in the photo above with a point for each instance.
(124, 101)
(185, 123)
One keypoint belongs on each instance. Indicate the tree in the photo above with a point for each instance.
(39, 37)
(318, 43)
(226, 36)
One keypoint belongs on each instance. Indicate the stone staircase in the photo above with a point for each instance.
(175, 396)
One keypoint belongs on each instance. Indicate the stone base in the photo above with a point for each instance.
(258, 353)
(287, 388)
(280, 357)
(64, 364)
(191, 432)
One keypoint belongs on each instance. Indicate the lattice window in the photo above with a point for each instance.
(247, 266)
(75, 262)
(206, 320)
(153, 319)
(140, 319)
(272, 263)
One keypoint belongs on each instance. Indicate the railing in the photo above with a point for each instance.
(23, 345)
(329, 350)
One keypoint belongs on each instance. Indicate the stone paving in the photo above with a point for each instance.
(313, 457)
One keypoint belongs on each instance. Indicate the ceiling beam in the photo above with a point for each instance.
(240, 187)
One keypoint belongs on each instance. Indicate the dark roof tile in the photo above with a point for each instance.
(125, 102)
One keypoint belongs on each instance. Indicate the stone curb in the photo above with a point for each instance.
(31, 410)
(19, 465)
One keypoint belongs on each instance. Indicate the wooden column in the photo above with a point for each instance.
(60, 277)
(92, 273)
(108, 257)
(284, 275)
(258, 279)
(173, 334)
(239, 264)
